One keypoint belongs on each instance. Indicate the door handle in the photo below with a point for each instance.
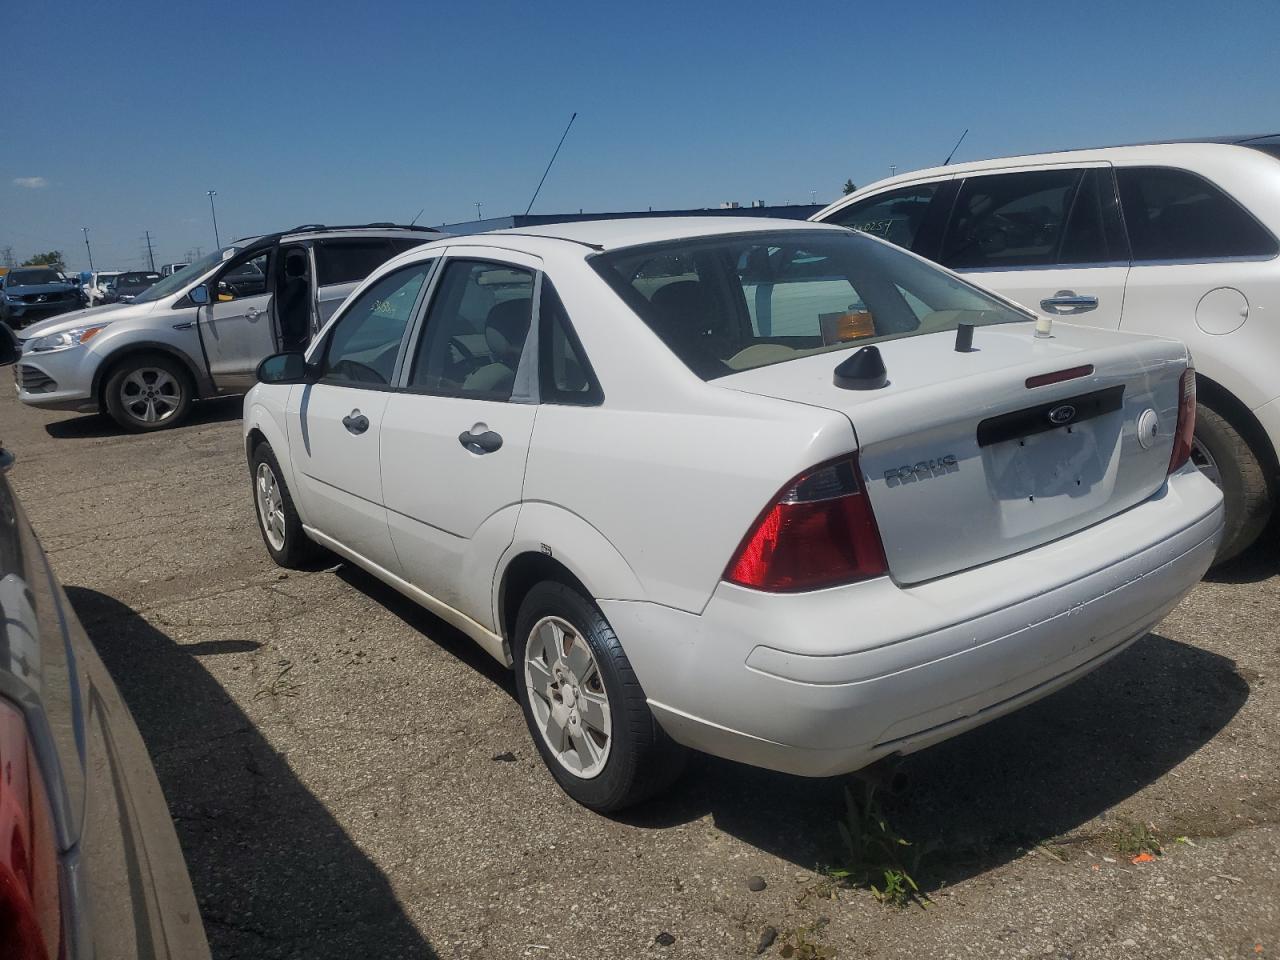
(252, 313)
(356, 422)
(1068, 301)
(485, 442)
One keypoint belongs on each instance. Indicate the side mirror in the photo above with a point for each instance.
(9, 349)
(199, 295)
(285, 368)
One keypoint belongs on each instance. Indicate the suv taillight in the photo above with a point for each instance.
(1186, 428)
(819, 532)
(30, 918)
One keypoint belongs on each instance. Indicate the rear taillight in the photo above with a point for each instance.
(30, 920)
(820, 532)
(1186, 428)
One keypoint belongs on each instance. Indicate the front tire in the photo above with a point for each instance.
(584, 707)
(1222, 453)
(149, 391)
(278, 519)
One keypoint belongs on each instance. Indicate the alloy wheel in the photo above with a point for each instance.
(1205, 463)
(150, 394)
(568, 697)
(270, 505)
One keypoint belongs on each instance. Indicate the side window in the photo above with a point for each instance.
(1176, 215)
(364, 342)
(248, 278)
(895, 216)
(475, 331)
(345, 261)
(566, 376)
(1010, 219)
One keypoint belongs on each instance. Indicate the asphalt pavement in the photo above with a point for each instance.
(351, 777)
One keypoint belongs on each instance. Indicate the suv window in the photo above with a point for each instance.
(475, 331)
(364, 342)
(895, 216)
(351, 259)
(1177, 215)
(247, 278)
(1010, 219)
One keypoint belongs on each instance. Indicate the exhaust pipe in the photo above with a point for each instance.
(886, 775)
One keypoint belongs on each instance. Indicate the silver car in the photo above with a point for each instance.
(202, 331)
(90, 865)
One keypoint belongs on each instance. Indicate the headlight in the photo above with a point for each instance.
(65, 339)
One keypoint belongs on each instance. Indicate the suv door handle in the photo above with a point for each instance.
(252, 313)
(355, 422)
(1068, 301)
(485, 442)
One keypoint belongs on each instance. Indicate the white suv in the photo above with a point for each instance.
(1175, 239)
(772, 490)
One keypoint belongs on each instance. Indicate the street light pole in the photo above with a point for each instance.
(212, 209)
(87, 247)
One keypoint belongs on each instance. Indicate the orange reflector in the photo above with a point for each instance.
(1044, 379)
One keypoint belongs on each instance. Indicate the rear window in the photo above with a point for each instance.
(727, 304)
(346, 261)
(1176, 215)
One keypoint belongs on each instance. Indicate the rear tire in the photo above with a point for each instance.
(636, 759)
(278, 520)
(1225, 456)
(148, 392)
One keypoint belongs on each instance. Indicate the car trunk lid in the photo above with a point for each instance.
(970, 457)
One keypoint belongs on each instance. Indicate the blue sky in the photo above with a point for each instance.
(339, 113)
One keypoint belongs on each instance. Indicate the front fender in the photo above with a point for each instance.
(264, 415)
(183, 345)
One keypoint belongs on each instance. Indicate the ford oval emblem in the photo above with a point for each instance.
(1062, 414)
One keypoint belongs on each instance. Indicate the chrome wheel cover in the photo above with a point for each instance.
(270, 505)
(567, 697)
(1205, 463)
(150, 395)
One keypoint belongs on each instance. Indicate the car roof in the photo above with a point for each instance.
(1155, 151)
(308, 231)
(636, 231)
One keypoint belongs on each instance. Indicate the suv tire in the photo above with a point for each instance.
(1219, 448)
(149, 391)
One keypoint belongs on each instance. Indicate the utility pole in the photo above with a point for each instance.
(479, 204)
(893, 169)
(7, 256)
(87, 247)
(214, 211)
(151, 257)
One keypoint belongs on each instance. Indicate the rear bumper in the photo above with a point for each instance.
(827, 682)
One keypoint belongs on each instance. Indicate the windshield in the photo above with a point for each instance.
(176, 281)
(137, 279)
(732, 303)
(28, 278)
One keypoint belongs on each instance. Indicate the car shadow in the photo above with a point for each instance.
(444, 635)
(218, 410)
(981, 799)
(1260, 562)
(274, 873)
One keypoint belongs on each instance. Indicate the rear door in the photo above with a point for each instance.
(455, 441)
(335, 424)
(237, 329)
(340, 264)
(1048, 238)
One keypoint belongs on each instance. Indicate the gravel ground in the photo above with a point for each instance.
(352, 778)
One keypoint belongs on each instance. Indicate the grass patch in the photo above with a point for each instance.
(875, 855)
(1132, 839)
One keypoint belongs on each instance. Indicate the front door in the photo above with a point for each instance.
(1049, 239)
(336, 424)
(237, 328)
(454, 443)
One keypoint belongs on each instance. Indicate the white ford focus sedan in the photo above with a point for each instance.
(781, 492)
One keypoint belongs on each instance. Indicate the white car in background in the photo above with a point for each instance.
(96, 289)
(1174, 239)
(738, 485)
